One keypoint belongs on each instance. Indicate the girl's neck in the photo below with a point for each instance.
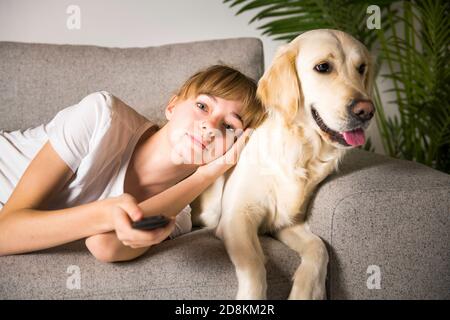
(151, 167)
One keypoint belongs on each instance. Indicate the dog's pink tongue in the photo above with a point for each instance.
(354, 137)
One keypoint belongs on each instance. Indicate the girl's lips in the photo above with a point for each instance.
(197, 141)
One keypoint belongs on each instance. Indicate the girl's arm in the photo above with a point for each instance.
(28, 230)
(171, 201)
(24, 228)
(109, 247)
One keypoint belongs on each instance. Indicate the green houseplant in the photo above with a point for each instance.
(413, 44)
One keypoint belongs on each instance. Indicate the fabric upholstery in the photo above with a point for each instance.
(374, 211)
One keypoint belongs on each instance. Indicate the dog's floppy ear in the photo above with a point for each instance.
(279, 88)
(370, 76)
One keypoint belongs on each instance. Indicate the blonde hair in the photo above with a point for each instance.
(230, 84)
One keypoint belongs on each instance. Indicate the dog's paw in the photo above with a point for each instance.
(308, 289)
(246, 295)
(252, 290)
(308, 294)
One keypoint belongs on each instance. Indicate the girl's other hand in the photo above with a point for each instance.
(219, 166)
(124, 210)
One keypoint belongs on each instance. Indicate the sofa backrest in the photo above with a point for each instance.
(37, 80)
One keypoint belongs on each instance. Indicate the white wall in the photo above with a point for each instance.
(132, 23)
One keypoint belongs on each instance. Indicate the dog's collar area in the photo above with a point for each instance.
(334, 135)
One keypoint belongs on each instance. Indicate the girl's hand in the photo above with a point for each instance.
(124, 210)
(220, 165)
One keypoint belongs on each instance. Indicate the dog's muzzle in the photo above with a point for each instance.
(351, 138)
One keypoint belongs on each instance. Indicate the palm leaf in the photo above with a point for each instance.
(417, 60)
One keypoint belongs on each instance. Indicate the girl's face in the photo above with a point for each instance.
(203, 128)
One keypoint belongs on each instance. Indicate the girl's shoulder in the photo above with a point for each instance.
(125, 113)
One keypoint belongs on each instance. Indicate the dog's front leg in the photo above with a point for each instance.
(240, 234)
(310, 277)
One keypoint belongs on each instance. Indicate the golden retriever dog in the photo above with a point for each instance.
(317, 95)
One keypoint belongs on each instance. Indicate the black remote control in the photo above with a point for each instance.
(151, 223)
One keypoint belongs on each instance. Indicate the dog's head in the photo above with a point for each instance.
(322, 81)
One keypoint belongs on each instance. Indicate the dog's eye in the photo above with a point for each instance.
(362, 68)
(323, 67)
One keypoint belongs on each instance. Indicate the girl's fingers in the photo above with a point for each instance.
(158, 235)
(162, 233)
(233, 154)
(243, 139)
(122, 226)
(132, 209)
(143, 238)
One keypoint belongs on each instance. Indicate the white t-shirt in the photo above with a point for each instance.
(95, 138)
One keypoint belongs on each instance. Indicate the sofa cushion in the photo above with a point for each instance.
(192, 266)
(37, 80)
(379, 212)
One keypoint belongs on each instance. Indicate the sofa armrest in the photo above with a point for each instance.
(386, 225)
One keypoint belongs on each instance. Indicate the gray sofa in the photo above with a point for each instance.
(376, 211)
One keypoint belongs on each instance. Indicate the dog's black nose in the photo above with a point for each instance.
(363, 110)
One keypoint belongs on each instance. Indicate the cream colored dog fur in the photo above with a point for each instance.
(317, 97)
